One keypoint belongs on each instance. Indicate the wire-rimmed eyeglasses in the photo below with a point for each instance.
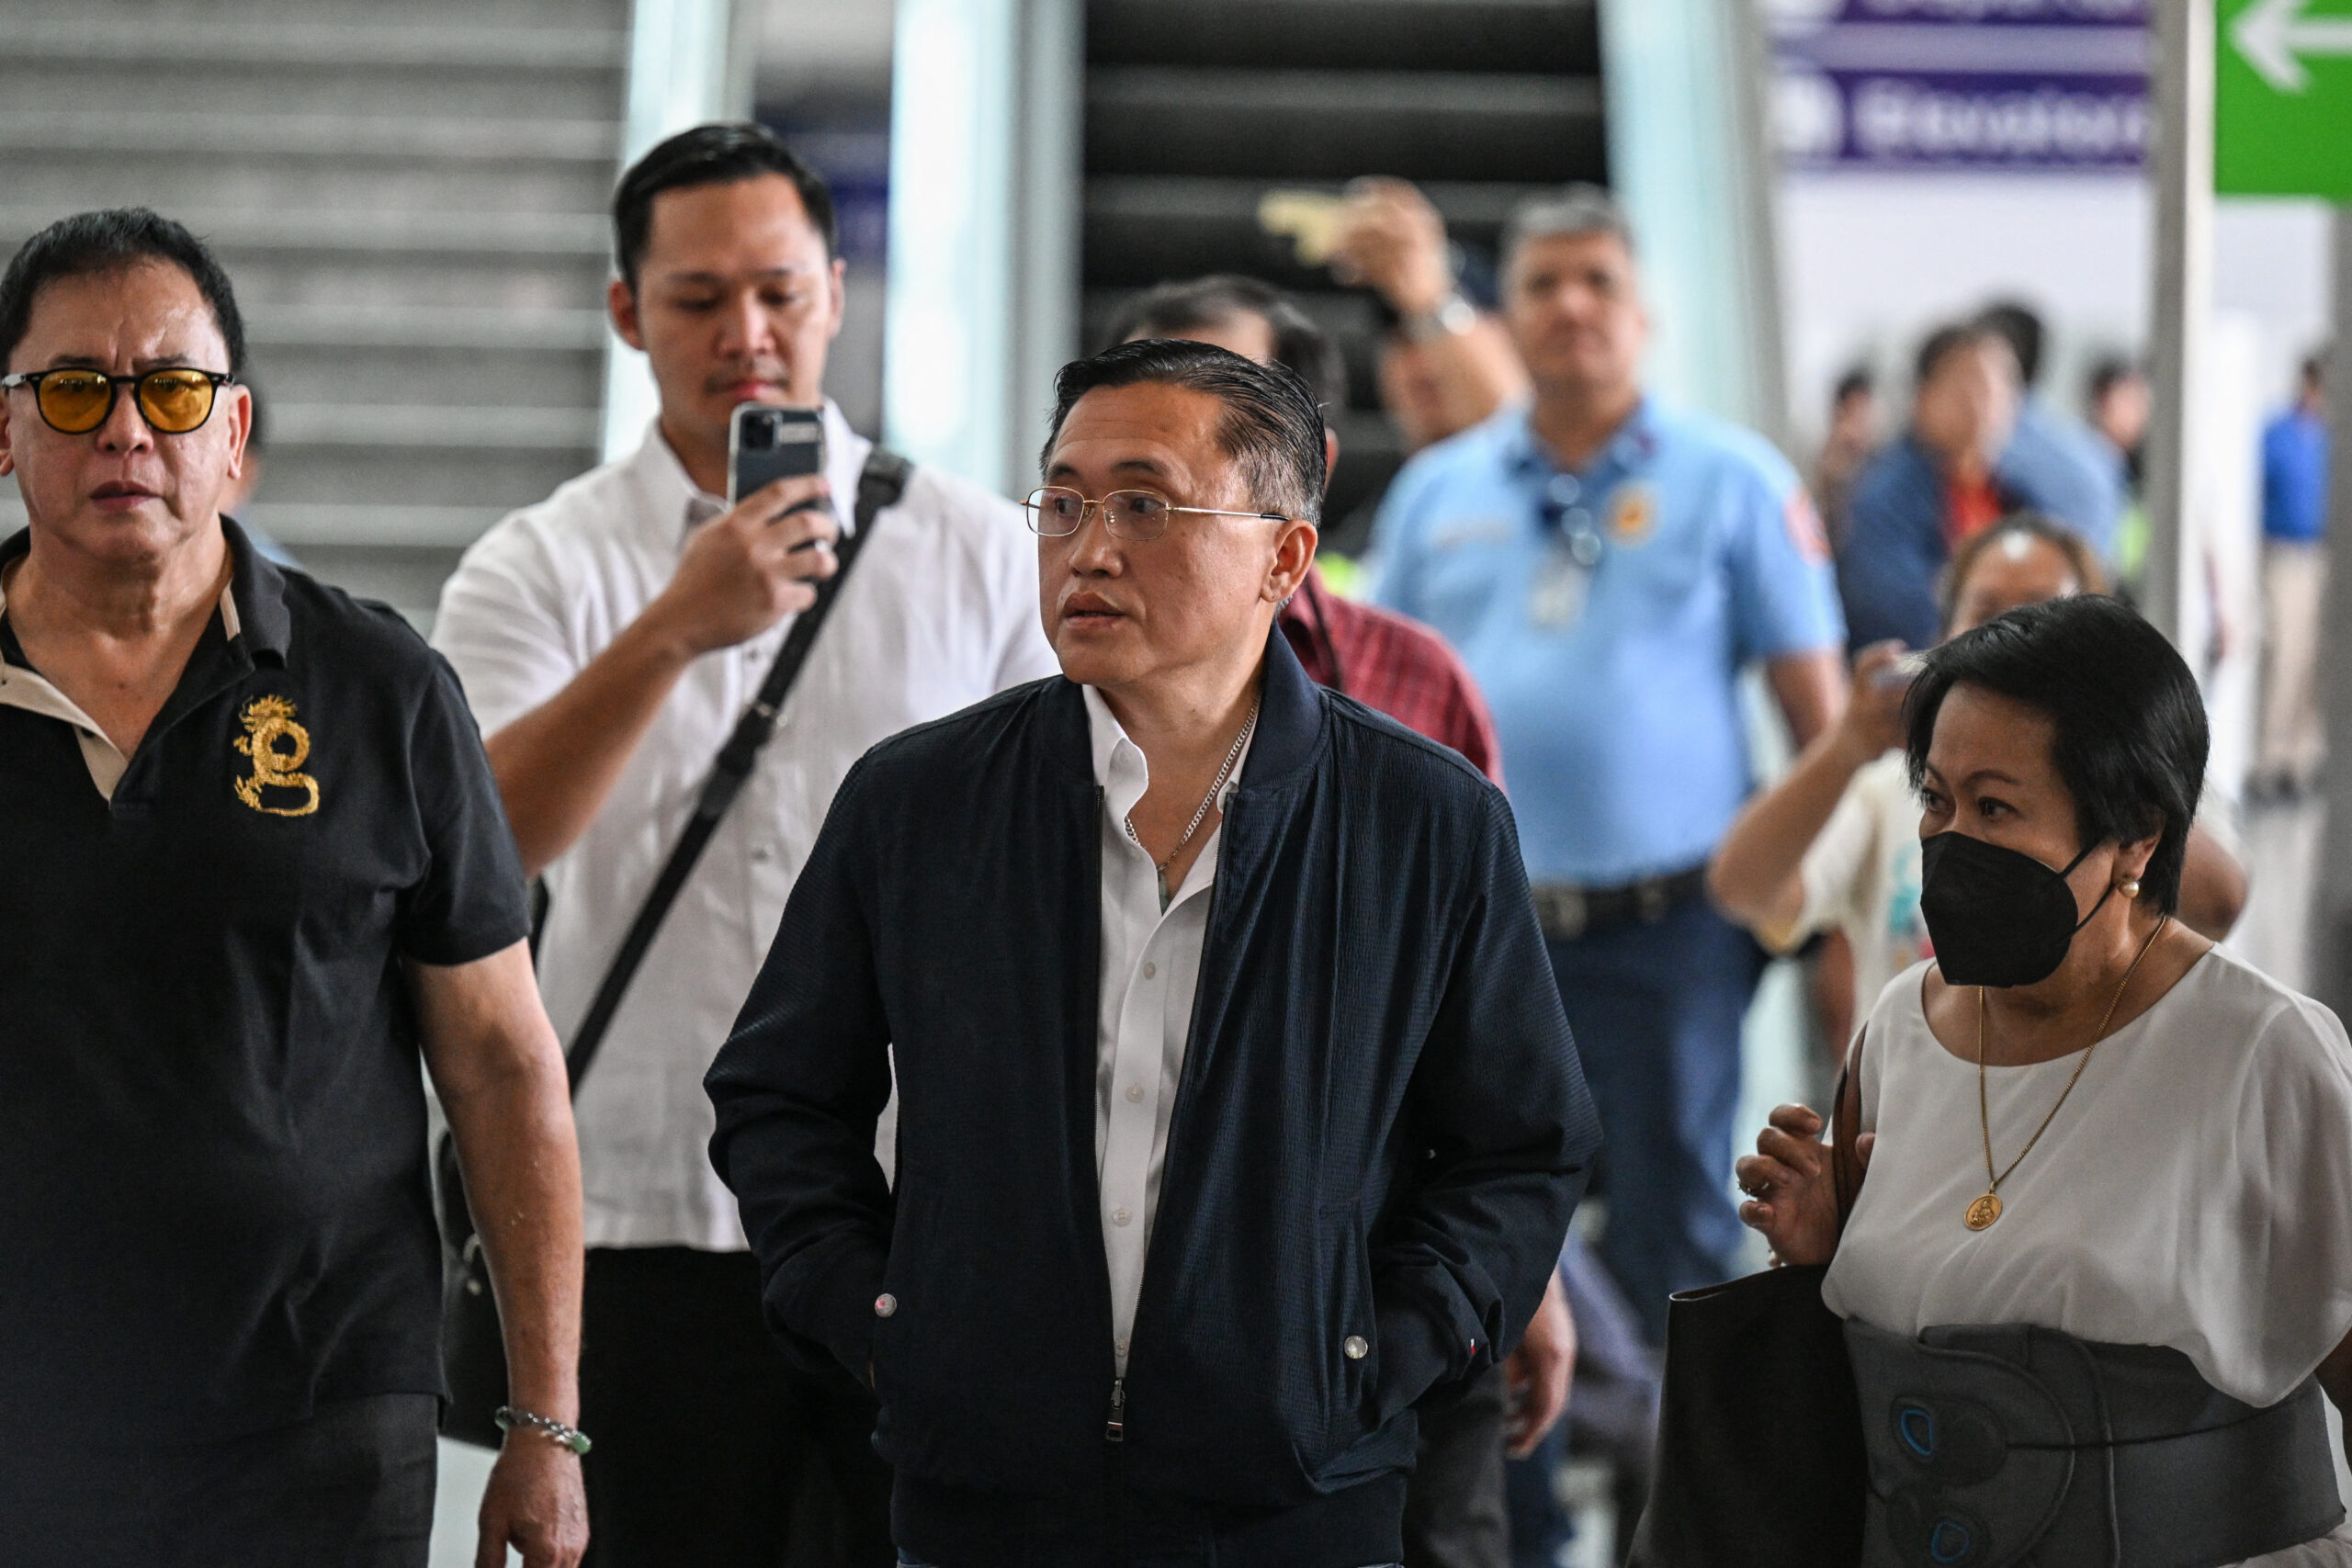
(1139, 515)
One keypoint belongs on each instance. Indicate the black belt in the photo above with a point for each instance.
(1569, 911)
(2006, 1444)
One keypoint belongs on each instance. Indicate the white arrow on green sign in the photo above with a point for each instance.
(2283, 99)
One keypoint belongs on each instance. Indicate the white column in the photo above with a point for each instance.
(986, 97)
(2181, 94)
(687, 64)
(2331, 929)
(1691, 158)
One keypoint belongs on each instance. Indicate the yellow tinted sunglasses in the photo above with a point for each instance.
(74, 401)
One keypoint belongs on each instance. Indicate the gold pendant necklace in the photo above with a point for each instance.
(1987, 1209)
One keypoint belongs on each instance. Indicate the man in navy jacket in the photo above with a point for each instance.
(1238, 1112)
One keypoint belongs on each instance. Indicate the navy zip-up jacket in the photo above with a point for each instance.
(1380, 1130)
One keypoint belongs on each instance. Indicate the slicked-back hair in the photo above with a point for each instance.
(717, 154)
(1173, 309)
(109, 241)
(2129, 740)
(1272, 427)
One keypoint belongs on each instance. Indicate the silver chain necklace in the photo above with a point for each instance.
(1232, 755)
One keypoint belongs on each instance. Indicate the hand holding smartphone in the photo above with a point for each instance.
(765, 444)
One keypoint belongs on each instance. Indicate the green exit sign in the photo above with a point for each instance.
(2283, 98)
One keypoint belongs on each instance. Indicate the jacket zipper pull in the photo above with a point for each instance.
(1116, 1429)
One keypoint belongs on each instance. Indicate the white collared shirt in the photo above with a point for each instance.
(1152, 966)
(940, 613)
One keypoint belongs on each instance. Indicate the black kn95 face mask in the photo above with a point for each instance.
(1996, 916)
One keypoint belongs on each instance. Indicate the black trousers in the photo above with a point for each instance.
(1454, 1516)
(352, 1487)
(711, 1447)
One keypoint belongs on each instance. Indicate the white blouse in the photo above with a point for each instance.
(2195, 1191)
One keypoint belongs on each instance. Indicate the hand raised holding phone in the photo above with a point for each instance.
(746, 570)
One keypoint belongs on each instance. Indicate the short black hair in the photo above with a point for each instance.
(1941, 346)
(1272, 426)
(716, 154)
(2130, 724)
(107, 241)
(1856, 382)
(1172, 309)
(2015, 321)
(2315, 369)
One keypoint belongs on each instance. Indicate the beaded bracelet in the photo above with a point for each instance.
(571, 1438)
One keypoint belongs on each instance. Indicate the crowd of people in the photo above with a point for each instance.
(980, 1031)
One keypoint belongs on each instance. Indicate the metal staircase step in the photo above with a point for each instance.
(1375, 35)
(180, 134)
(421, 233)
(1332, 125)
(164, 41)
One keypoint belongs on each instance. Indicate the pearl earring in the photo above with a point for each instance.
(2128, 888)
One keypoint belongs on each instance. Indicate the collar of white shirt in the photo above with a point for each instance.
(1123, 774)
(669, 492)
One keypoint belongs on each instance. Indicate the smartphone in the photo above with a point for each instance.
(765, 444)
(1308, 219)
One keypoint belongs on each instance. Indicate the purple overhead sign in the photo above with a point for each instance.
(1974, 85)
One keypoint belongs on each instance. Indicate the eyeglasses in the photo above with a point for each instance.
(75, 403)
(1133, 515)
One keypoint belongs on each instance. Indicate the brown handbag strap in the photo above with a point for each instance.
(1846, 1127)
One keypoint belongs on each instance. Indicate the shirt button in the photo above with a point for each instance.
(1577, 519)
(1135, 1094)
(1354, 1349)
(1565, 487)
(1149, 970)
(763, 853)
(1121, 1216)
(1123, 1347)
(885, 1304)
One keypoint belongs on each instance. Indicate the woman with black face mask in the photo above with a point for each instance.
(2099, 1269)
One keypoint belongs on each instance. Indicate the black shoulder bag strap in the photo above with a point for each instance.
(881, 485)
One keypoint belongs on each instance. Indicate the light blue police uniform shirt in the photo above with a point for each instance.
(1614, 690)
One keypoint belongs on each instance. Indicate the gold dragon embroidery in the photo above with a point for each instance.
(269, 722)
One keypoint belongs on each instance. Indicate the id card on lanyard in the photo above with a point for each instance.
(1563, 580)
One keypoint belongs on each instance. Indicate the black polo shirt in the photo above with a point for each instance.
(215, 1210)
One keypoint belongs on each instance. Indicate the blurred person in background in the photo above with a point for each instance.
(237, 501)
(1932, 487)
(1853, 436)
(1446, 364)
(1607, 567)
(1187, 1225)
(2051, 457)
(2120, 402)
(2294, 586)
(256, 868)
(1455, 1504)
(610, 637)
(1834, 845)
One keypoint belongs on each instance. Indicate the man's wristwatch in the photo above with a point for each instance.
(554, 1431)
(1453, 316)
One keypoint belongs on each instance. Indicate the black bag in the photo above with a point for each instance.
(473, 1349)
(1760, 1445)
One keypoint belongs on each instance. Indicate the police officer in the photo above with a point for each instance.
(1608, 567)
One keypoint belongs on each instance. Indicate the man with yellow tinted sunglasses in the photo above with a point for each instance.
(254, 860)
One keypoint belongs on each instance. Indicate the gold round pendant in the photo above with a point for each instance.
(1983, 1211)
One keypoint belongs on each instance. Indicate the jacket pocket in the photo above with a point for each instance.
(899, 1311)
(1348, 1342)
